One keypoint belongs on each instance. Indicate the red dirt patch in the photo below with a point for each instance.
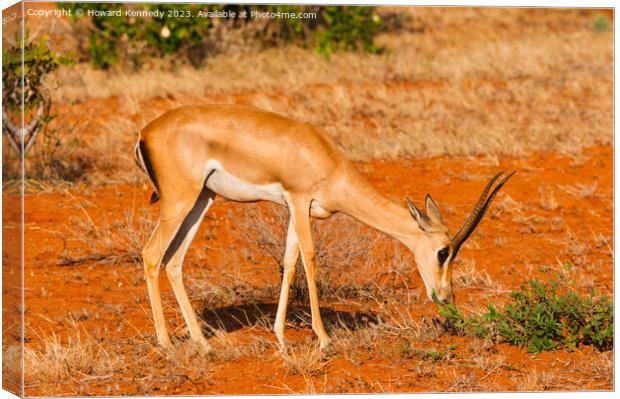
(525, 236)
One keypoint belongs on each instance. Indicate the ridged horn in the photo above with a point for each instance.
(479, 210)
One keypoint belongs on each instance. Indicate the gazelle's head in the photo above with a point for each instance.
(436, 249)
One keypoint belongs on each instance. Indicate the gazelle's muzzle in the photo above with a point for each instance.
(443, 296)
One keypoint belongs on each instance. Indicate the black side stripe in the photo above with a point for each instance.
(147, 164)
(190, 221)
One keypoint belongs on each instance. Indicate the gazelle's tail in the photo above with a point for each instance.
(141, 156)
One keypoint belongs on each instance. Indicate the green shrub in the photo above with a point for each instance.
(39, 60)
(601, 24)
(288, 28)
(181, 31)
(122, 39)
(541, 319)
(348, 28)
(113, 38)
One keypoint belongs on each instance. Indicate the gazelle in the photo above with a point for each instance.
(245, 154)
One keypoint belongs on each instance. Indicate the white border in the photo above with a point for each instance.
(453, 3)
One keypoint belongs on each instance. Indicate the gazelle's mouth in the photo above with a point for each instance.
(447, 300)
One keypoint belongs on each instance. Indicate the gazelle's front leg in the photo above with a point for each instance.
(300, 213)
(291, 254)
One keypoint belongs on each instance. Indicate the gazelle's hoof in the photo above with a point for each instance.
(326, 344)
(205, 347)
(281, 341)
(165, 343)
(165, 348)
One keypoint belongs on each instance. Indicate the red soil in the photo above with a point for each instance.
(513, 244)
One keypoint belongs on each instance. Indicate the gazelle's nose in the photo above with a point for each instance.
(445, 296)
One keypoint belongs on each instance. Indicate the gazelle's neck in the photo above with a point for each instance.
(368, 206)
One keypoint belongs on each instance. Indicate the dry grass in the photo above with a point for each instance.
(117, 242)
(582, 190)
(12, 367)
(464, 94)
(351, 258)
(602, 367)
(536, 381)
(306, 360)
(110, 151)
(467, 275)
(465, 383)
(80, 357)
(547, 199)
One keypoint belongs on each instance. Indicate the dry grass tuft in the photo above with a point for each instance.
(602, 366)
(465, 383)
(582, 190)
(305, 360)
(467, 275)
(547, 199)
(189, 355)
(80, 357)
(117, 242)
(11, 366)
(536, 381)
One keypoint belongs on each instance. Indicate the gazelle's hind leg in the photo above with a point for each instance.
(152, 255)
(173, 260)
(168, 245)
(291, 254)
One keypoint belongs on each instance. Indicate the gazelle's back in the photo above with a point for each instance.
(255, 146)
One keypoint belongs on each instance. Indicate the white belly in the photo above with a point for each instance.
(232, 188)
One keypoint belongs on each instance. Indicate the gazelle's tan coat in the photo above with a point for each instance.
(245, 154)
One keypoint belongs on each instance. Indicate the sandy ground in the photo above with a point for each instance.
(519, 240)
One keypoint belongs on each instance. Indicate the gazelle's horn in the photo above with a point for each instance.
(479, 210)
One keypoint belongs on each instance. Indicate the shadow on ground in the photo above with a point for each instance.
(232, 318)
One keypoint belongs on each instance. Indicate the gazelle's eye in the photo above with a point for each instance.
(442, 255)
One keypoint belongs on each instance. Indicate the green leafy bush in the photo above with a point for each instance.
(348, 28)
(112, 38)
(182, 31)
(288, 29)
(601, 24)
(174, 32)
(55, 140)
(38, 61)
(541, 319)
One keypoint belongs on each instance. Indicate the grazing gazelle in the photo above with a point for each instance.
(246, 154)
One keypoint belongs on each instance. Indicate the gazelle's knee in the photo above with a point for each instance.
(289, 273)
(151, 266)
(174, 271)
(309, 266)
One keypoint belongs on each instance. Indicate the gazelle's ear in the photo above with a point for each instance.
(433, 210)
(420, 217)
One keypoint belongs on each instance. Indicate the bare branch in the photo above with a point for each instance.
(11, 132)
(33, 129)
